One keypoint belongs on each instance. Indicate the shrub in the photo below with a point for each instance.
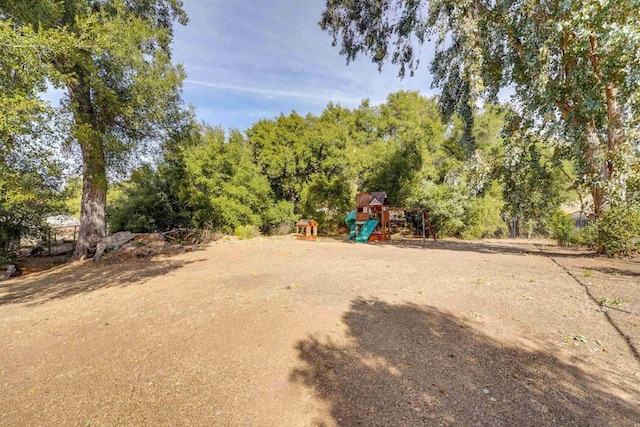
(562, 228)
(587, 236)
(278, 219)
(145, 204)
(243, 232)
(483, 217)
(619, 231)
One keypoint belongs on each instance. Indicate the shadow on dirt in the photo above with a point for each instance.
(86, 277)
(616, 324)
(617, 271)
(507, 246)
(408, 365)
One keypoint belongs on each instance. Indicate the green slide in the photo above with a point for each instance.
(365, 233)
(350, 220)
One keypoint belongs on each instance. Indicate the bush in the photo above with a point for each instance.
(619, 231)
(483, 217)
(278, 219)
(562, 228)
(145, 204)
(243, 232)
(26, 199)
(587, 236)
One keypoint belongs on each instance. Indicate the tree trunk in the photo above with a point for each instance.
(598, 169)
(93, 225)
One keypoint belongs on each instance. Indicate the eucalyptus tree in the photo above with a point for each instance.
(573, 67)
(122, 90)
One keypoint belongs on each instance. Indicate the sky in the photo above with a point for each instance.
(253, 59)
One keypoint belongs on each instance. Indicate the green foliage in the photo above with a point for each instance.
(311, 167)
(28, 194)
(587, 236)
(279, 218)
(562, 228)
(305, 162)
(145, 204)
(72, 195)
(245, 232)
(484, 216)
(122, 91)
(222, 185)
(204, 181)
(461, 192)
(446, 205)
(572, 65)
(619, 229)
(535, 177)
(608, 302)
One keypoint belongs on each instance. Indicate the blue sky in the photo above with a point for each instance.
(254, 59)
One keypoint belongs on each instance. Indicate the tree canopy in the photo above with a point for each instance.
(293, 166)
(122, 90)
(573, 66)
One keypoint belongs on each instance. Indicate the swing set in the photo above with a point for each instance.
(370, 220)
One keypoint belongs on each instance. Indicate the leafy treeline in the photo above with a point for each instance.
(572, 124)
(312, 166)
(572, 67)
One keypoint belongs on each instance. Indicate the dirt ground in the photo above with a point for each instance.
(278, 332)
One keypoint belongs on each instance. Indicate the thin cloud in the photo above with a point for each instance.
(278, 93)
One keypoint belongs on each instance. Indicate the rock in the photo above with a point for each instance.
(10, 271)
(112, 242)
(151, 239)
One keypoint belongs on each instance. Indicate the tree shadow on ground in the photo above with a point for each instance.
(408, 365)
(506, 247)
(616, 271)
(83, 277)
(624, 328)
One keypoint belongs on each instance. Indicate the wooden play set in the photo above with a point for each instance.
(372, 217)
(307, 229)
(370, 221)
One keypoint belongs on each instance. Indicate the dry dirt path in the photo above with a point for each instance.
(276, 332)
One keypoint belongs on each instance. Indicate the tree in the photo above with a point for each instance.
(26, 56)
(145, 203)
(280, 149)
(122, 90)
(29, 191)
(29, 171)
(462, 192)
(536, 179)
(223, 186)
(409, 133)
(574, 66)
(205, 180)
(305, 161)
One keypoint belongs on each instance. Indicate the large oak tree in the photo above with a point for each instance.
(122, 91)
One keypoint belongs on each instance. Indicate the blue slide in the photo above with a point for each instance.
(350, 220)
(365, 233)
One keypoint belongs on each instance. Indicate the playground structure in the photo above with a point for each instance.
(307, 229)
(370, 220)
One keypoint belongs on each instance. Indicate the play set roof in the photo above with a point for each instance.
(306, 222)
(378, 198)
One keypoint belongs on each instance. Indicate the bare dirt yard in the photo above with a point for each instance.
(278, 332)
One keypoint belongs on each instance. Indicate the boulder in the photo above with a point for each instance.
(10, 271)
(112, 242)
